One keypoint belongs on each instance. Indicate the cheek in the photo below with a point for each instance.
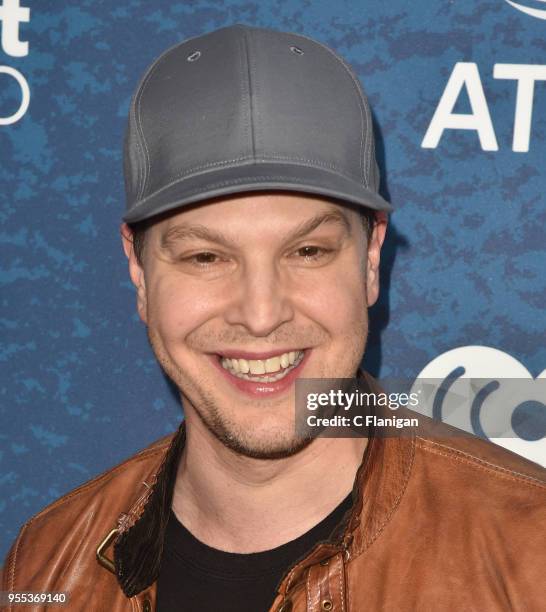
(339, 308)
(177, 308)
(338, 302)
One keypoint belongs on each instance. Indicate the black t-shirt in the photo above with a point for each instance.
(196, 577)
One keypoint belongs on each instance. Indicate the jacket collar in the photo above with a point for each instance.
(379, 485)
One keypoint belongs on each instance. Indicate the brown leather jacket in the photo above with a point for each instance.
(438, 523)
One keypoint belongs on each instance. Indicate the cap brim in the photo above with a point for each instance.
(255, 177)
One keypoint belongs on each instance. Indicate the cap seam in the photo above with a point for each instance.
(135, 108)
(245, 126)
(314, 162)
(141, 166)
(137, 111)
(249, 92)
(146, 151)
(252, 179)
(182, 178)
(362, 103)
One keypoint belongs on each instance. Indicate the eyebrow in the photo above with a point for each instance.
(183, 231)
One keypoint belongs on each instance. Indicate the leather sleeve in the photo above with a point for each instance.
(8, 569)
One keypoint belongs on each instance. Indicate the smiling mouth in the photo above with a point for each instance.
(263, 370)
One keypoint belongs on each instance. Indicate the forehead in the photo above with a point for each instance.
(261, 213)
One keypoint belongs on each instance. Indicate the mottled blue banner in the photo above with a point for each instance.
(459, 95)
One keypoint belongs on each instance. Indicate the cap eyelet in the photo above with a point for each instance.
(296, 50)
(194, 56)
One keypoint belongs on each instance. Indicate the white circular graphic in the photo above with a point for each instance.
(25, 95)
(489, 393)
(534, 12)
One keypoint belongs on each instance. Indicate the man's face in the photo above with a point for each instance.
(245, 294)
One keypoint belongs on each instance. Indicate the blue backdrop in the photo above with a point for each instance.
(465, 261)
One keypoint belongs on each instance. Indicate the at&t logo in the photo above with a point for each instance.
(12, 14)
(466, 77)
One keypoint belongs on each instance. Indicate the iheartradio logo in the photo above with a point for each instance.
(489, 393)
(539, 13)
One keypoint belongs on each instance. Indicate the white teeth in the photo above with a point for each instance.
(277, 367)
(273, 364)
(243, 366)
(257, 366)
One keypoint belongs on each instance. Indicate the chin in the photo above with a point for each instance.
(255, 442)
(270, 449)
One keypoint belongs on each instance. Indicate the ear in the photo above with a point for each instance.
(374, 252)
(136, 271)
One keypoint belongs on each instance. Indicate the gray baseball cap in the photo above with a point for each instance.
(245, 109)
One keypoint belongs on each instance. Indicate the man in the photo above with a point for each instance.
(253, 234)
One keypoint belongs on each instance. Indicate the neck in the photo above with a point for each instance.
(240, 504)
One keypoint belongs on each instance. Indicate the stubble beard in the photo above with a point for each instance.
(223, 429)
(279, 444)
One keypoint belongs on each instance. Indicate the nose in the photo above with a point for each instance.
(260, 299)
